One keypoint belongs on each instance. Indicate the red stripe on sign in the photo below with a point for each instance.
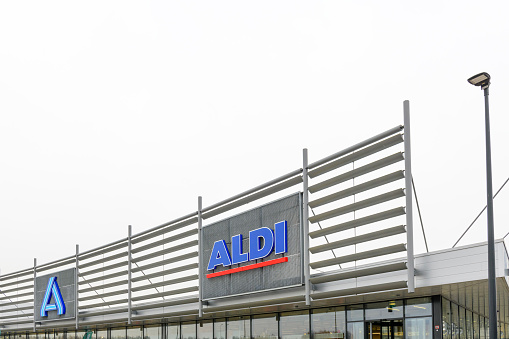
(248, 267)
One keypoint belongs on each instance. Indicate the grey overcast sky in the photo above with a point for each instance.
(123, 112)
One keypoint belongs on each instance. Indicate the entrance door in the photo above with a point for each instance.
(385, 329)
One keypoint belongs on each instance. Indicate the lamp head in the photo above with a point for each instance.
(481, 79)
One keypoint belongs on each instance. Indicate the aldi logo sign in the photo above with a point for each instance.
(55, 296)
(256, 250)
(262, 242)
(52, 291)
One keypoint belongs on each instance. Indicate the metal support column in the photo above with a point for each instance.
(408, 192)
(200, 287)
(35, 288)
(305, 217)
(129, 261)
(76, 282)
(492, 285)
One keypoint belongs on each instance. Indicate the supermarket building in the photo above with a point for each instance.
(325, 251)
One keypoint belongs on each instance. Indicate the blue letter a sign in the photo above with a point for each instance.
(52, 290)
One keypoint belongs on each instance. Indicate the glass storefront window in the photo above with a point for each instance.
(418, 307)
(468, 325)
(149, 332)
(134, 333)
(188, 330)
(205, 330)
(173, 331)
(355, 313)
(398, 330)
(328, 323)
(349, 322)
(117, 333)
(238, 328)
(264, 327)
(454, 321)
(462, 327)
(100, 334)
(475, 323)
(220, 329)
(294, 325)
(419, 328)
(482, 333)
(385, 310)
(446, 319)
(356, 330)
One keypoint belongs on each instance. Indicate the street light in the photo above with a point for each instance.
(483, 80)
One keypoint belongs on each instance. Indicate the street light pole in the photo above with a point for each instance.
(483, 80)
(492, 287)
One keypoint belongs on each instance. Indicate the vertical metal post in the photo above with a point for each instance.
(129, 260)
(76, 282)
(408, 189)
(200, 294)
(492, 287)
(35, 287)
(305, 217)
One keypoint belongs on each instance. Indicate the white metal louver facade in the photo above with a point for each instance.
(356, 208)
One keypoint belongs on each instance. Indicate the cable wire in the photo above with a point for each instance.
(420, 217)
(334, 254)
(494, 196)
